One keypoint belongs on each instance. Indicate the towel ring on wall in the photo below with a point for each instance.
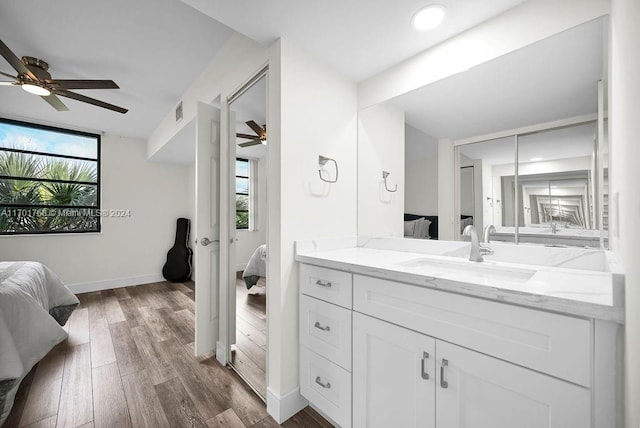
(322, 161)
(385, 174)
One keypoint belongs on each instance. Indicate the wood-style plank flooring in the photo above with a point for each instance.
(128, 362)
(249, 355)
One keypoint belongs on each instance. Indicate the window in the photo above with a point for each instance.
(49, 179)
(243, 204)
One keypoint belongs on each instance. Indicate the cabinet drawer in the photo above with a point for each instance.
(326, 330)
(555, 344)
(326, 284)
(326, 386)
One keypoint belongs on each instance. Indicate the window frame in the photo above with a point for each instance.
(98, 160)
(249, 193)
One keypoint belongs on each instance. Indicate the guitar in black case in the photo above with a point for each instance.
(177, 268)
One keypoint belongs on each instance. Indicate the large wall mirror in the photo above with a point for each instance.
(548, 187)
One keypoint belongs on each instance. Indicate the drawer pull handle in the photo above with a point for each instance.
(319, 327)
(425, 357)
(321, 283)
(324, 385)
(443, 383)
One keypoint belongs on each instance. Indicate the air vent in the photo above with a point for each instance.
(179, 112)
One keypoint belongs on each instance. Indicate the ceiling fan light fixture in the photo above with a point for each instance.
(36, 90)
(428, 17)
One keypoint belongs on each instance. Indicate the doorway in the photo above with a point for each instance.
(247, 314)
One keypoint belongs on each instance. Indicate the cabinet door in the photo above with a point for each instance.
(477, 391)
(393, 376)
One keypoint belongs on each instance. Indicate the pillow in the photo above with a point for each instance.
(422, 229)
(410, 227)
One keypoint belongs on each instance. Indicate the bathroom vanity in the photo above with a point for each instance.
(395, 332)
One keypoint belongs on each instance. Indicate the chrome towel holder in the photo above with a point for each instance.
(322, 161)
(385, 174)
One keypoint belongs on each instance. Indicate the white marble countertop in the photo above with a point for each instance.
(586, 293)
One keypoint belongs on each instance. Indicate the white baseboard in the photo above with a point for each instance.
(107, 284)
(283, 407)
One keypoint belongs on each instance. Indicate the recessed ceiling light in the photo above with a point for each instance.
(36, 90)
(428, 17)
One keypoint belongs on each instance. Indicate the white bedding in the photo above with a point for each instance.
(256, 267)
(30, 296)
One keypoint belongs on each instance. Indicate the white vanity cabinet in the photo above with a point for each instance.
(325, 341)
(378, 353)
(403, 378)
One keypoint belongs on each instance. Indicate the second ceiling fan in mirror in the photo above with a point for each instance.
(260, 136)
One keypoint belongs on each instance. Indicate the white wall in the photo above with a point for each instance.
(421, 172)
(129, 250)
(380, 148)
(239, 58)
(311, 96)
(624, 109)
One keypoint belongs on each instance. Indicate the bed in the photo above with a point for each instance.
(256, 267)
(34, 304)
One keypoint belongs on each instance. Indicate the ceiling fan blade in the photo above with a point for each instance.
(250, 137)
(55, 102)
(16, 62)
(81, 84)
(256, 128)
(9, 84)
(9, 75)
(250, 143)
(85, 99)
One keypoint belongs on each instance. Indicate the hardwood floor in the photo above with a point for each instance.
(128, 362)
(249, 355)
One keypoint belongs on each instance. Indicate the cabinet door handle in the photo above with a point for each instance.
(322, 283)
(425, 357)
(443, 383)
(324, 385)
(319, 327)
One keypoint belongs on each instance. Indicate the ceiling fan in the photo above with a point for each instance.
(33, 77)
(259, 138)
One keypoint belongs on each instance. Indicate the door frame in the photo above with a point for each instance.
(228, 233)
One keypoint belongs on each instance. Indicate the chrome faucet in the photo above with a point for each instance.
(477, 250)
(486, 233)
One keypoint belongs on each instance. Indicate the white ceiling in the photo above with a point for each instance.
(153, 49)
(358, 38)
(553, 79)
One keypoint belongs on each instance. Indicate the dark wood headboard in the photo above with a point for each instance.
(433, 227)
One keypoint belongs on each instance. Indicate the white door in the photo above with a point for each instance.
(477, 391)
(207, 227)
(393, 375)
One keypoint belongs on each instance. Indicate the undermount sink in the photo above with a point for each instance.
(484, 270)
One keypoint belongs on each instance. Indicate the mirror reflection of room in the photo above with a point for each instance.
(556, 186)
(249, 346)
(553, 188)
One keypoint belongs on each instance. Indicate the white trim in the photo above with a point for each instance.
(283, 407)
(108, 284)
(222, 353)
(545, 126)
